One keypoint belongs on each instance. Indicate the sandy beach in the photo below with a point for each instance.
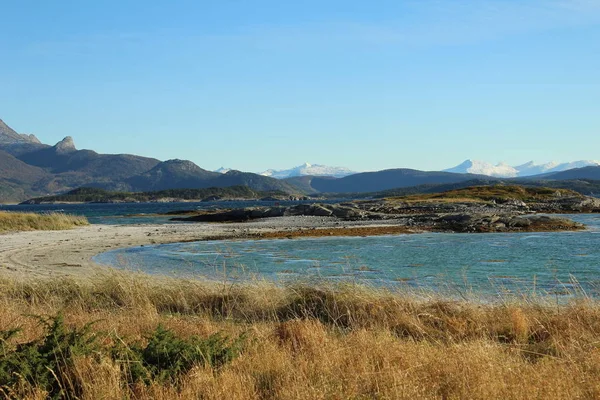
(37, 254)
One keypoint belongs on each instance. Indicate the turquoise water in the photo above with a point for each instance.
(557, 263)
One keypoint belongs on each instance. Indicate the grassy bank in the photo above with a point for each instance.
(16, 221)
(157, 338)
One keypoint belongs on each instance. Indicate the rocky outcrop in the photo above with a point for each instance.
(250, 213)
(211, 198)
(9, 137)
(428, 207)
(431, 216)
(65, 146)
(502, 223)
(568, 205)
(556, 205)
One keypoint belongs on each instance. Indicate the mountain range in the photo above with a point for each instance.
(502, 170)
(29, 168)
(307, 169)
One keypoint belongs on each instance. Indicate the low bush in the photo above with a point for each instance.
(48, 364)
(165, 356)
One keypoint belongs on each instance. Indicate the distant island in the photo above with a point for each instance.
(95, 195)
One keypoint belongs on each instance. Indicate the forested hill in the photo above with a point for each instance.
(94, 195)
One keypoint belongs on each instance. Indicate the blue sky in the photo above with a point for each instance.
(271, 84)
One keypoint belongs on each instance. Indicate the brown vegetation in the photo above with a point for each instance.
(318, 341)
(17, 221)
(541, 224)
(494, 192)
(348, 231)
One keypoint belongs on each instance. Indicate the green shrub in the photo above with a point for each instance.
(46, 362)
(166, 356)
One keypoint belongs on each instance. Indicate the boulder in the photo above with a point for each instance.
(321, 211)
(519, 222)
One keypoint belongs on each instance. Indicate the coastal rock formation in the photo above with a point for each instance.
(453, 217)
(250, 213)
(503, 223)
(568, 205)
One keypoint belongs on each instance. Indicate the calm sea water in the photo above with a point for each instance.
(558, 263)
(137, 213)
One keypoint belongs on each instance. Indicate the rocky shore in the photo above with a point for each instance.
(466, 215)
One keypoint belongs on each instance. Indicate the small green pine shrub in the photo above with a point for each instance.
(46, 362)
(166, 356)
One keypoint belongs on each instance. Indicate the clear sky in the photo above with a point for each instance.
(253, 84)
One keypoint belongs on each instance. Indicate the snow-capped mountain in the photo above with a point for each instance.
(532, 168)
(502, 170)
(222, 170)
(308, 169)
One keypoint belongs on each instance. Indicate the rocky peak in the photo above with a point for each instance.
(9, 136)
(6, 130)
(30, 138)
(65, 146)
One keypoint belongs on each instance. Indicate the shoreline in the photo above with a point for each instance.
(69, 253)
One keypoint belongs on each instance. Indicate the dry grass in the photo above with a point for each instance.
(17, 221)
(322, 341)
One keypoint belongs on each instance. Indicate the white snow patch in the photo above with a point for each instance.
(308, 169)
(530, 168)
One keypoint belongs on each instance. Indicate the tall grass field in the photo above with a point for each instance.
(123, 335)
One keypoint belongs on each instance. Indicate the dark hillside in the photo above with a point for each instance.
(386, 179)
(64, 157)
(254, 181)
(577, 173)
(172, 174)
(95, 195)
(15, 170)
